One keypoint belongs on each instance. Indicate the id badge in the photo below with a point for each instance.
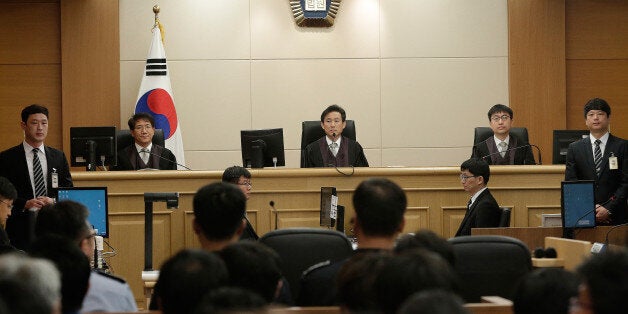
(55, 179)
(612, 162)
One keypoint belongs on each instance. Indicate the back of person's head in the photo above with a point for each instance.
(545, 291)
(140, 116)
(218, 210)
(233, 174)
(379, 207)
(231, 300)
(500, 108)
(186, 277)
(355, 281)
(597, 104)
(477, 167)
(65, 218)
(253, 266)
(71, 263)
(33, 109)
(334, 108)
(434, 301)
(19, 297)
(429, 240)
(7, 190)
(605, 276)
(37, 273)
(411, 272)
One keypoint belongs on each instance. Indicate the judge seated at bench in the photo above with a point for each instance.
(143, 154)
(504, 147)
(333, 149)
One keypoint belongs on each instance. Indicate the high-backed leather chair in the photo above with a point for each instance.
(300, 248)
(490, 265)
(504, 219)
(484, 132)
(312, 131)
(124, 138)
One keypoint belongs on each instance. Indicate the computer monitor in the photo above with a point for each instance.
(578, 204)
(562, 139)
(95, 199)
(262, 148)
(93, 146)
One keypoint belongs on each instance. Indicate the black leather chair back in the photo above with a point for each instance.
(504, 219)
(124, 138)
(312, 131)
(484, 132)
(490, 265)
(300, 248)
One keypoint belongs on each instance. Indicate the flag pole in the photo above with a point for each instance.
(156, 10)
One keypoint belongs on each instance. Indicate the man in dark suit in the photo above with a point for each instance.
(482, 209)
(503, 148)
(241, 177)
(143, 154)
(333, 149)
(609, 169)
(20, 164)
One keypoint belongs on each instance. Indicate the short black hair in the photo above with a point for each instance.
(433, 301)
(429, 240)
(219, 209)
(65, 218)
(33, 109)
(606, 277)
(233, 174)
(7, 190)
(500, 108)
(597, 104)
(355, 281)
(334, 108)
(231, 300)
(140, 116)
(379, 206)
(477, 167)
(545, 291)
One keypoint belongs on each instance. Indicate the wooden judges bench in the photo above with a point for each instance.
(436, 201)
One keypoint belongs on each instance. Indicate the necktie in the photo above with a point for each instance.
(334, 148)
(469, 204)
(503, 146)
(38, 175)
(145, 154)
(598, 158)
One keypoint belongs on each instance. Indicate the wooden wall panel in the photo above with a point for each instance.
(536, 34)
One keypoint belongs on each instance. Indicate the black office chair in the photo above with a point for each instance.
(490, 265)
(504, 219)
(124, 138)
(483, 132)
(312, 131)
(300, 248)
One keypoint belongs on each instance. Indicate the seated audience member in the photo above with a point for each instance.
(482, 209)
(333, 149)
(412, 272)
(8, 194)
(379, 208)
(428, 240)
(604, 284)
(143, 154)
(242, 178)
(255, 267)
(19, 297)
(36, 273)
(433, 302)
(71, 263)
(185, 278)
(503, 148)
(107, 293)
(545, 291)
(231, 300)
(355, 282)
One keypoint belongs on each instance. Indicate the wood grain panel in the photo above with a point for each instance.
(29, 33)
(596, 29)
(606, 79)
(536, 50)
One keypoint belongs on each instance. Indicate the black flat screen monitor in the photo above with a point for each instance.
(93, 146)
(95, 199)
(262, 148)
(578, 204)
(562, 139)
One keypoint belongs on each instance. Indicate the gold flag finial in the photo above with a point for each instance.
(156, 10)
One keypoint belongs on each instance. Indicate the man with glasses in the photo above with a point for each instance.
(482, 209)
(143, 154)
(7, 195)
(241, 177)
(503, 148)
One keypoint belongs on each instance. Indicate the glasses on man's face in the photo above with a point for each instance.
(9, 206)
(143, 127)
(502, 117)
(247, 183)
(464, 177)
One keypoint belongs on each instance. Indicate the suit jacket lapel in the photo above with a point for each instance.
(154, 155)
